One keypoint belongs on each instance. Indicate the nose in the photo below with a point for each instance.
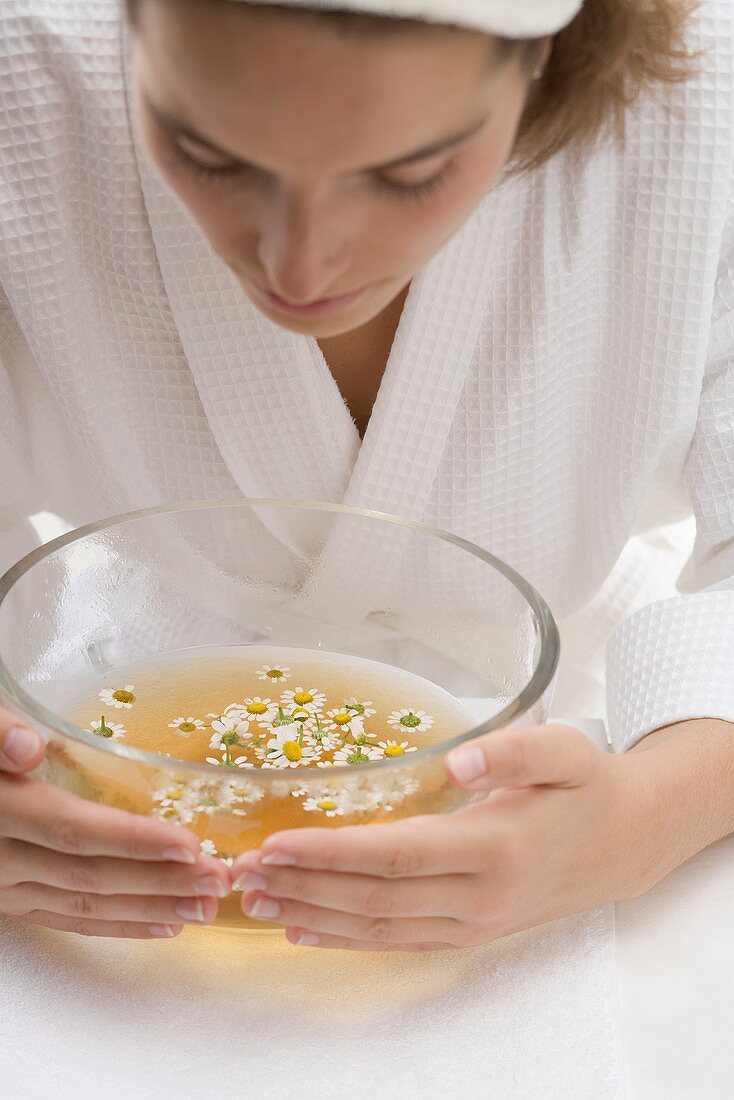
(302, 248)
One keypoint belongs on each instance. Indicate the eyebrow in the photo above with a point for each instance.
(175, 126)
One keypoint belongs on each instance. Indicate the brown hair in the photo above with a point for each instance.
(598, 66)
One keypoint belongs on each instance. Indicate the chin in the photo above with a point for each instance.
(321, 328)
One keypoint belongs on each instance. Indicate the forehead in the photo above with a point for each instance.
(286, 91)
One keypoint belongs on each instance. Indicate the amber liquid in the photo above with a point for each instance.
(201, 684)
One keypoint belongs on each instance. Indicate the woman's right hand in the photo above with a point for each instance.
(73, 865)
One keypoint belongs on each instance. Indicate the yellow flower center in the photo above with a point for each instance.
(326, 804)
(300, 714)
(302, 697)
(123, 696)
(394, 750)
(274, 673)
(292, 751)
(174, 794)
(342, 719)
(186, 727)
(256, 708)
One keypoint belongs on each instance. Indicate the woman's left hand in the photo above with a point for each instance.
(565, 828)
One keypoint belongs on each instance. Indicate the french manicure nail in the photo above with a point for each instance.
(251, 881)
(308, 939)
(210, 886)
(161, 930)
(265, 908)
(179, 855)
(278, 859)
(21, 745)
(467, 763)
(191, 909)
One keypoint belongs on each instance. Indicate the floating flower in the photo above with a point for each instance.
(262, 711)
(119, 698)
(208, 848)
(416, 720)
(186, 727)
(395, 748)
(324, 805)
(361, 737)
(278, 674)
(364, 709)
(357, 754)
(285, 751)
(228, 723)
(243, 762)
(324, 740)
(312, 700)
(113, 731)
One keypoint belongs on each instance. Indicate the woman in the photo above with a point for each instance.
(412, 265)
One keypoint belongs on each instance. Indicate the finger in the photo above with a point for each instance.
(411, 848)
(113, 929)
(53, 818)
(304, 937)
(21, 749)
(21, 862)
(350, 925)
(447, 896)
(30, 897)
(553, 755)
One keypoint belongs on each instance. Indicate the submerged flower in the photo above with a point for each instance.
(275, 673)
(396, 748)
(416, 720)
(286, 751)
(118, 698)
(113, 731)
(208, 848)
(325, 805)
(187, 727)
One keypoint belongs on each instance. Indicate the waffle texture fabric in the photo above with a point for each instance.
(512, 18)
(562, 376)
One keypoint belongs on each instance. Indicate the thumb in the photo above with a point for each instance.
(552, 755)
(21, 750)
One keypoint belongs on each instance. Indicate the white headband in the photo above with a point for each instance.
(509, 18)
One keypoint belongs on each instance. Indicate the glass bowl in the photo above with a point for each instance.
(318, 577)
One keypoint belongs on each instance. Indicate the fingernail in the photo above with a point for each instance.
(191, 909)
(251, 881)
(278, 859)
(179, 855)
(265, 908)
(467, 763)
(210, 886)
(307, 939)
(21, 745)
(161, 930)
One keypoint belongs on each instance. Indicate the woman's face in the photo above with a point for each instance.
(302, 152)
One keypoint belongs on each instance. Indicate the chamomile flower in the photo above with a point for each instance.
(113, 731)
(342, 719)
(362, 709)
(262, 711)
(227, 723)
(395, 748)
(325, 805)
(357, 754)
(417, 721)
(325, 740)
(119, 698)
(277, 674)
(285, 751)
(186, 727)
(312, 700)
(243, 762)
(208, 848)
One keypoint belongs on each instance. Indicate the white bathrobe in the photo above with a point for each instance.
(562, 376)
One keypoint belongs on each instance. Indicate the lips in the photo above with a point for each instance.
(320, 308)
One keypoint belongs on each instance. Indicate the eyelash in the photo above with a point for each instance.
(415, 191)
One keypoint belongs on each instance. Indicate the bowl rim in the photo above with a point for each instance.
(539, 681)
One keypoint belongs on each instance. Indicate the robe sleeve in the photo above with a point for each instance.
(19, 496)
(674, 659)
